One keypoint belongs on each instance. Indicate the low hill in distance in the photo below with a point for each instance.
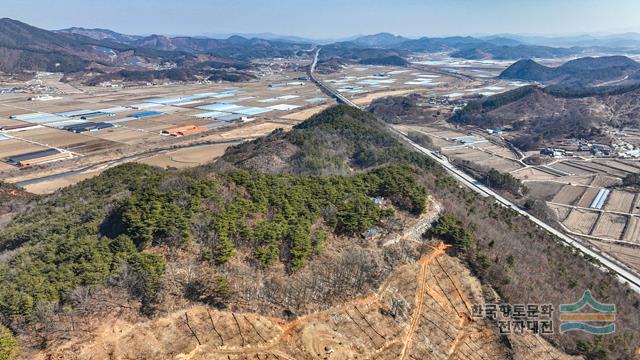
(101, 34)
(340, 140)
(380, 40)
(393, 60)
(491, 51)
(587, 71)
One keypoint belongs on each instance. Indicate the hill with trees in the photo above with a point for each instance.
(538, 115)
(282, 226)
(393, 60)
(502, 51)
(582, 72)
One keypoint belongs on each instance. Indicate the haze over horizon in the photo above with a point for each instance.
(334, 19)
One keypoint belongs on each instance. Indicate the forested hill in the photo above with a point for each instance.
(339, 140)
(582, 72)
(540, 115)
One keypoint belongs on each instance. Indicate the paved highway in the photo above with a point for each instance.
(625, 274)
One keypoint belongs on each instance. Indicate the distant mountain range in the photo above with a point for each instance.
(234, 47)
(24, 47)
(627, 40)
(465, 47)
(504, 52)
(588, 71)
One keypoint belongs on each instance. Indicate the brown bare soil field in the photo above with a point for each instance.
(448, 134)
(587, 197)
(92, 145)
(610, 226)
(636, 206)
(250, 130)
(305, 114)
(498, 150)
(620, 201)
(365, 100)
(150, 125)
(464, 153)
(15, 147)
(125, 135)
(598, 168)
(422, 311)
(532, 174)
(618, 164)
(632, 233)
(500, 164)
(5, 121)
(186, 158)
(629, 255)
(579, 180)
(53, 137)
(563, 166)
(48, 187)
(569, 194)
(581, 221)
(544, 190)
(5, 166)
(605, 181)
(560, 212)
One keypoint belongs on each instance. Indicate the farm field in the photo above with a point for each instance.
(569, 194)
(610, 226)
(186, 158)
(632, 233)
(138, 115)
(620, 201)
(587, 198)
(627, 254)
(532, 174)
(636, 206)
(567, 168)
(560, 212)
(581, 221)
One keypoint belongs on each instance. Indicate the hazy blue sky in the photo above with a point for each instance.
(332, 18)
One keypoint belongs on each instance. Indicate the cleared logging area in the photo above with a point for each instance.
(423, 311)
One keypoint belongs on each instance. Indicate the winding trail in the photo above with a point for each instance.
(424, 262)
